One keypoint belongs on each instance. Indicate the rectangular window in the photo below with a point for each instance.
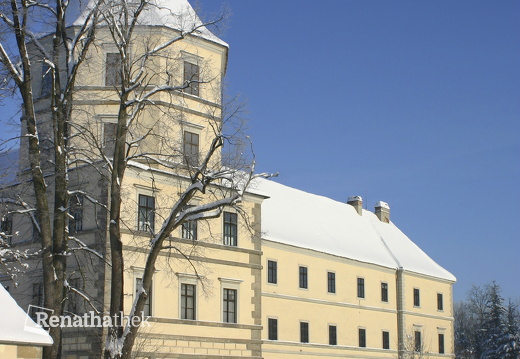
(441, 343)
(6, 227)
(272, 272)
(272, 325)
(147, 309)
(76, 213)
(146, 213)
(188, 301)
(386, 340)
(331, 282)
(361, 287)
(440, 302)
(304, 332)
(46, 80)
(303, 277)
(230, 305)
(417, 341)
(191, 78)
(416, 297)
(230, 229)
(189, 230)
(191, 148)
(113, 69)
(37, 299)
(362, 337)
(109, 138)
(333, 335)
(73, 297)
(384, 292)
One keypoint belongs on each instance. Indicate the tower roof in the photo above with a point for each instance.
(175, 14)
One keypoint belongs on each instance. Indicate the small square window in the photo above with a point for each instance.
(272, 325)
(304, 332)
(272, 272)
(331, 282)
(303, 278)
(230, 229)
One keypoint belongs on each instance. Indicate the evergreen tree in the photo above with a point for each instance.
(494, 326)
(510, 342)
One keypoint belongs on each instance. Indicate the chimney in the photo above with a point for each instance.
(382, 211)
(357, 203)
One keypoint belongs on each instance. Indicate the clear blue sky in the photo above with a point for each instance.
(416, 103)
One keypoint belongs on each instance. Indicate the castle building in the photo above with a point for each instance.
(285, 274)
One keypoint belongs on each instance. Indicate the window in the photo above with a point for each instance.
(384, 292)
(37, 300)
(386, 340)
(333, 337)
(361, 287)
(272, 325)
(188, 301)
(331, 282)
(46, 80)
(109, 138)
(304, 332)
(440, 302)
(113, 69)
(230, 229)
(189, 230)
(303, 277)
(272, 272)
(146, 214)
(417, 341)
(230, 305)
(74, 298)
(191, 148)
(362, 337)
(441, 343)
(191, 78)
(416, 297)
(76, 213)
(7, 227)
(147, 309)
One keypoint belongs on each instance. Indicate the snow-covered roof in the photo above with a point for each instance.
(16, 327)
(175, 14)
(298, 218)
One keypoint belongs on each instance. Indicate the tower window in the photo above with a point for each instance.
(113, 69)
(191, 148)
(191, 78)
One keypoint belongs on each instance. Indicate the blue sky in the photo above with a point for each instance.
(416, 103)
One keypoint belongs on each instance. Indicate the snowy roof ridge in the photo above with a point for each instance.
(16, 327)
(175, 14)
(295, 217)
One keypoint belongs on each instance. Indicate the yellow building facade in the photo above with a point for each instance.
(286, 274)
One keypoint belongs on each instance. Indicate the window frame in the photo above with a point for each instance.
(113, 69)
(386, 339)
(226, 308)
(272, 271)
(272, 328)
(46, 83)
(142, 225)
(148, 307)
(76, 213)
(361, 287)
(191, 148)
(384, 292)
(304, 332)
(183, 301)
(362, 337)
(333, 334)
(230, 229)
(331, 282)
(191, 78)
(417, 341)
(303, 277)
(440, 302)
(416, 297)
(6, 226)
(442, 348)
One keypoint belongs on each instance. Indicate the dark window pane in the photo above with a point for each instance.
(333, 335)
(113, 69)
(230, 229)
(230, 305)
(188, 301)
(272, 272)
(272, 328)
(191, 78)
(304, 332)
(440, 302)
(417, 341)
(303, 277)
(147, 310)
(362, 338)
(7, 227)
(361, 288)
(441, 343)
(386, 340)
(146, 213)
(331, 282)
(191, 148)
(384, 292)
(416, 297)
(109, 138)
(46, 80)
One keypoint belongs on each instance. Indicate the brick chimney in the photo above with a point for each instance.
(382, 210)
(357, 203)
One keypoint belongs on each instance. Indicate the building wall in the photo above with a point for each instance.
(20, 352)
